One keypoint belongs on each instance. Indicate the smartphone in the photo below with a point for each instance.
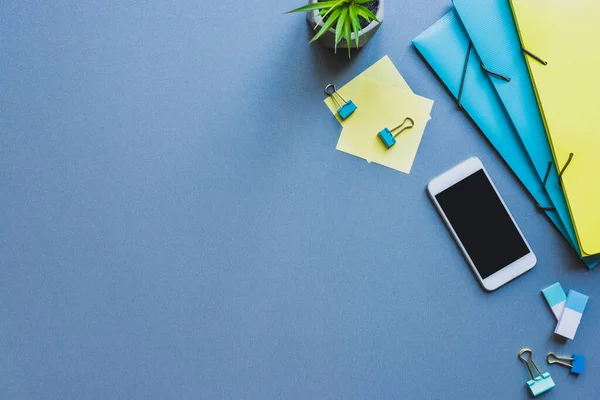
(481, 224)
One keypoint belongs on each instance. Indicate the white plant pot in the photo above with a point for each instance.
(328, 38)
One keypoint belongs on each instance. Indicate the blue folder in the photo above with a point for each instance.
(444, 46)
(491, 28)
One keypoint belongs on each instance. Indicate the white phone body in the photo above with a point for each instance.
(448, 180)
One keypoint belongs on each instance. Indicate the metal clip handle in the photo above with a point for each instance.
(407, 119)
(527, 362)
(333, 94)
(559, 360)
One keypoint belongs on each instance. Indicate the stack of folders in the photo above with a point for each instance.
(525, 72)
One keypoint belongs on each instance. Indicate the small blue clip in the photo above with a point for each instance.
(346, 108)
(578, 364)
(386, 135)
(537, 384)
(577, 359)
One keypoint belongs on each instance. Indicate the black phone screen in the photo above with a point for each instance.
(482, 224)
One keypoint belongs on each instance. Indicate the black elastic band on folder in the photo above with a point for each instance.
(530, 54)
(464, 74)
(544, 186)
(562, 170)
(497, 75)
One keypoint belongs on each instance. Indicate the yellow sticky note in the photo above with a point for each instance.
(382, 71)
(385, 106)
(566, 36)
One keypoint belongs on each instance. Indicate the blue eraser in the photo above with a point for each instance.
(347, 109)
(386, 137)
(578, 364)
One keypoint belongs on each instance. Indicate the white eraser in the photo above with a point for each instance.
(556, 299)
(571, 316)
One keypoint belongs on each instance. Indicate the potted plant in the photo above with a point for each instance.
(356, 21)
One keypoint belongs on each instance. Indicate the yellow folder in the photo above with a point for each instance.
(561, 42)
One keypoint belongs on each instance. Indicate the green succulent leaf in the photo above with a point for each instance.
(366, 13)
(337, 6)
(355, 22)
(347, 33)
(314, 6)
(321, 13)
(339, 28)
(330, 21)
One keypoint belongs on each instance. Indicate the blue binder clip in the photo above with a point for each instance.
(386, 135)
(537, 384)
(578, 362)
(346, 108)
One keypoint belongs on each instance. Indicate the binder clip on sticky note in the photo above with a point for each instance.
(388, 138)
(577, 362)
(540, 383)
(346, 108)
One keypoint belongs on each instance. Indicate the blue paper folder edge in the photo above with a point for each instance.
(491, 28)
(444, 47)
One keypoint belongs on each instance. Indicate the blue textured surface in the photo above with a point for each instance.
(145, 257)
